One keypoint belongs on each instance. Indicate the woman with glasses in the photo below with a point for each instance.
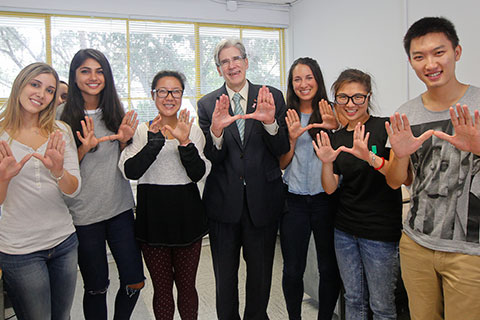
(102, 212)
(38, 164)
(166, 157)
(310, 209)
(368, 219)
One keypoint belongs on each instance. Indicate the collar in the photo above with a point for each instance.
(243, 92)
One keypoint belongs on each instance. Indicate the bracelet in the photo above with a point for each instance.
(373, 157)
(57, 179)
(381, 166)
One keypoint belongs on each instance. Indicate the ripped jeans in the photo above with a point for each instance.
(92, 260)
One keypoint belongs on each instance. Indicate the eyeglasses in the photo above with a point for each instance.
(163, 93)
(235, 60)
(357, 99)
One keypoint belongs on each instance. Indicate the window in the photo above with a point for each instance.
(136, 50)
(22, 41)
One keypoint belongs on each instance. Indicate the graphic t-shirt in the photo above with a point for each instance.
(445, 194)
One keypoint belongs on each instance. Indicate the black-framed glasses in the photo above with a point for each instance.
(163, 93)
(234, 60)
(357, 99)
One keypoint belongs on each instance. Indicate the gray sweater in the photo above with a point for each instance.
(105, 192)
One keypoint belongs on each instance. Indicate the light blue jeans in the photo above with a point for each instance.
(369, 271)
(41, 285)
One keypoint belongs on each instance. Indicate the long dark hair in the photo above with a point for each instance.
(293, 101)
(74, 111)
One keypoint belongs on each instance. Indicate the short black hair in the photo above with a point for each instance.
(430, 25)
(169, 73)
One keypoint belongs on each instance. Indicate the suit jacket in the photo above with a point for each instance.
(255, 162)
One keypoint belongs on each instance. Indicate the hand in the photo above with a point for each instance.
(467, 132)
(88, 139)
(401, 137)
(329, 121)
(294, 126)
(9, 167)
(53, 157)
(156, 126)
(221, 118)
(182, 131)
(324, 149)
(127, 128)
(265, 107)
(360, 143)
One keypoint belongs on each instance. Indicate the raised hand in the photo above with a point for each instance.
(401, 137)
(294, 126)
(467, 131)
(9, 167)
(329, 121)
(221, 118)
(265, 107)
(323, 148)
(182, 131)
(360, 143)
(53, 157)
(156, 126)
(126, 130)
(88, 138)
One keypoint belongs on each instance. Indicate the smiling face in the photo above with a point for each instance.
(352, 112)
(89, 78)
(433, 59)
(168, 106)
(37, 94)
(232, 68)
(304, 84)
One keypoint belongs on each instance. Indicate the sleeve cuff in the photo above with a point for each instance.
(217, 141)
(271, 128)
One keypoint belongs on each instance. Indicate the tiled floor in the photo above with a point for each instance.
(206, 292)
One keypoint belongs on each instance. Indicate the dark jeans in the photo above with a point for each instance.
(41, 284)
(92, 260)
(307, 214)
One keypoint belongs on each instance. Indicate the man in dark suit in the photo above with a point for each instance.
(244, 126)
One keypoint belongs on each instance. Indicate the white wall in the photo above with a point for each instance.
(213, 11)
(368, 35)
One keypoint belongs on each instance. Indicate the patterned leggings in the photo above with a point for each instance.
(169, 264)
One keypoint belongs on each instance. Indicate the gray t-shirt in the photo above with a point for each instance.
(445, 194)
(105, 192)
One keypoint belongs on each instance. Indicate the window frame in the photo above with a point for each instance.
(197, 26)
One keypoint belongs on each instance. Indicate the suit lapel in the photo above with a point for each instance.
(251, 105)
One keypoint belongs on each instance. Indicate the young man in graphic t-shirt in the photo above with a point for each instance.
(437, 142)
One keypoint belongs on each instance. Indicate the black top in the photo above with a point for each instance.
(368, 207)
(168, 215)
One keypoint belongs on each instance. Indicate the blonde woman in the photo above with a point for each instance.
(38, 165)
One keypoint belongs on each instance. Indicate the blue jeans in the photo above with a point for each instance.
(92, 260)
(307, 214)
(369, 270)
(41, 285)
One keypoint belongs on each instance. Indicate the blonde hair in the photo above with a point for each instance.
(10, 117)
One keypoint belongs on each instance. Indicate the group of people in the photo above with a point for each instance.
(65, 192)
